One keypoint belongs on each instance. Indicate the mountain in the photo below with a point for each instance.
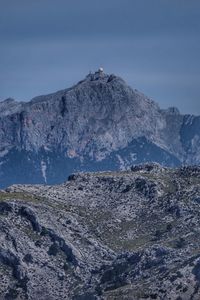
(109, 235)
(98, 124)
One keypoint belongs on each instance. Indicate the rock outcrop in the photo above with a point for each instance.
(111, 235)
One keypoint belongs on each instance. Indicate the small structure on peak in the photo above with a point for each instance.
(99, 73)
(101, 76)
(96, 75)
(100, 70)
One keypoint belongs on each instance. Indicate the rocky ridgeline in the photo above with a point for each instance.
(97, 125)
(110, 235)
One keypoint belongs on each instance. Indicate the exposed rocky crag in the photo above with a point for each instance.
(98, 124)
(111, 235)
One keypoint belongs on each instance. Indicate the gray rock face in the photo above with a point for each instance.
(98, 120)
(111, 235)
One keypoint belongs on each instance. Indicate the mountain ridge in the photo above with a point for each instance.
(89, 122)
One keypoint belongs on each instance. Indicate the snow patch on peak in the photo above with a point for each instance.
(43, 169)
(122, 165)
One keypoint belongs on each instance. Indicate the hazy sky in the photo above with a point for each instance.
(47, 45)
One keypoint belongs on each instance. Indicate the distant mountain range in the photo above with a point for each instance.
(98, 124)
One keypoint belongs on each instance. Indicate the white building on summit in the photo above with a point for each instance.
(100, 70)
(97, 75)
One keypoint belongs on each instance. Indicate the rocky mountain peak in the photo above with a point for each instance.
(9, 106)
(173, 110)
(100, 123)
(101, 76)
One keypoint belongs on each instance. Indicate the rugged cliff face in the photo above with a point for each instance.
(98, 124)
(111, 235)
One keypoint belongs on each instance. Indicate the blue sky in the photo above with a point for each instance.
(51, 44)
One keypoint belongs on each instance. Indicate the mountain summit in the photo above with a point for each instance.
(98, 124)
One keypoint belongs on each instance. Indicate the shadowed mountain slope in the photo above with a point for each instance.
(98, 124)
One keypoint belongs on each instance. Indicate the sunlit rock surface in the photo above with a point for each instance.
(109, 235)
(98, 124)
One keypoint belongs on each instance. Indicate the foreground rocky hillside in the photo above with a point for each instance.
(98, 124)
(111, 235)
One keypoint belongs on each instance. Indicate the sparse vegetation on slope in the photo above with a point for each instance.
(110, 235)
